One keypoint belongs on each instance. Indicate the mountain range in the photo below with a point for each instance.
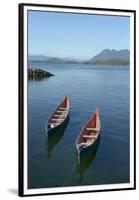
(107, 56)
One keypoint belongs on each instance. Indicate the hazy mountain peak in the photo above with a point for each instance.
(108, 54)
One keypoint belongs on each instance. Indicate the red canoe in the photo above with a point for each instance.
(59, 117)
(90, 132)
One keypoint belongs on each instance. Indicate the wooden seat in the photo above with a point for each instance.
(57, 120)
(92, 129)
(83, 143)
(89, 136)
(60, 116)
(55, 124)
(62, 108)
(61, 111)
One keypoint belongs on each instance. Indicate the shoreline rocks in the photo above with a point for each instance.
(38, 74)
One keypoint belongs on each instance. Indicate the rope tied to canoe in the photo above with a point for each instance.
(70, 174)
(72, 169)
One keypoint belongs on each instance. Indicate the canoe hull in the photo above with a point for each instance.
(51, 131)
(59, 117)
(90, 134)
(86, 159)
(91, 147)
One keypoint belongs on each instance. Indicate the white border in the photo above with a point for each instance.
(93, 187)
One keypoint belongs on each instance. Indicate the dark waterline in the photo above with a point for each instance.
(50, 160)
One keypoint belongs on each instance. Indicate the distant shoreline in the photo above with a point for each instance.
(107, 62)
(105, 57)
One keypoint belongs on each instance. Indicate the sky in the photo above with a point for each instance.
(75, 35)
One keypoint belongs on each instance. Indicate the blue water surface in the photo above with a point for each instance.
(88, 86)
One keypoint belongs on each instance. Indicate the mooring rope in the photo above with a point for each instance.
(37, 149)
(69, 175)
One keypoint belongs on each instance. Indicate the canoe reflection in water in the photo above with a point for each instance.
(54, 139)
(86, 159)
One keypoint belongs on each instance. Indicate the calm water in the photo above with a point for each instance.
(50, 161)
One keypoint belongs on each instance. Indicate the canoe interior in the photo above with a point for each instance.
(88, 136)
(59, 115)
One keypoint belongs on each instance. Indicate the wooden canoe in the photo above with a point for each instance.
(89, 135)
(59, 117)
